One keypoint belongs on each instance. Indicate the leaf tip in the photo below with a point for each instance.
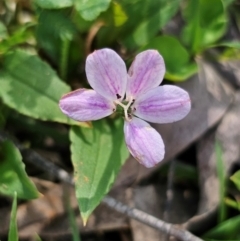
(85, 219)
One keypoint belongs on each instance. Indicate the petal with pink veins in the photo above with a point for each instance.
(144, 142)
(163, 104)
(145, 73)
(85, 105)
(107, 74)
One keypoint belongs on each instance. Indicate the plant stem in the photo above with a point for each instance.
(64, 58)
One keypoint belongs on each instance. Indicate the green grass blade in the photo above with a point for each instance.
(13, 232)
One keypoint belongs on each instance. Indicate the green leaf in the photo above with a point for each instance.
(232, 203)
(119, 16)
(53, 29)
(13, 176)
(236, 179)
(232, 44)
(206, 23)
(31, 87)
(161, 12)
(19, 36)
(176, 57)
(97, 155)
(90, 9)
(222, 179)
(13, 231)
(227, 230)
(54, 4)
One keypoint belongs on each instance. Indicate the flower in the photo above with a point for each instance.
(137, 92)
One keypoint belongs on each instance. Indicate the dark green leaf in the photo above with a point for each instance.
(176, 57)
(13, 231)
(13, 176)
(31, 87)
(54, 27)
(182, 172)
(97, 155)
(90, 9)
(54, 4)
(227, 230)
(150, 25)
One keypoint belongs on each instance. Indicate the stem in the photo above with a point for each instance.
(64, 58)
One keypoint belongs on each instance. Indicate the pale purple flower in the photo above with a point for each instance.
(139, 94)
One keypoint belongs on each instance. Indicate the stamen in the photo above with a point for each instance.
(118, 96)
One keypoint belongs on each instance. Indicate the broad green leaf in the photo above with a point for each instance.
(53, 29)
(236, 179)
(210, 11)
(54, 4)
(222, 184)
(90, 9)
(13, 231)
(31, 87)
(176, 57)
(227, 230)
(206, 23)
(97, 155)
(13, 177)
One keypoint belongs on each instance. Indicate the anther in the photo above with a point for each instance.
(118, 96)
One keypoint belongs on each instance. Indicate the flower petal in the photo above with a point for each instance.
(145, 73)
(107, 74)
(163, 104)
(85, 105)
(144, 142)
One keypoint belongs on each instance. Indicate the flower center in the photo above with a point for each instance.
(125, 107)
